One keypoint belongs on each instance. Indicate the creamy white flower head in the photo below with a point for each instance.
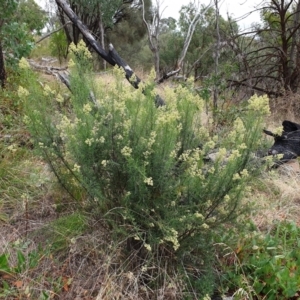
(259, 104)
(12, 148)
(244, 173)
(59, 98)
(104, 163)
(87, 108)
(89, 141)
(71, 63)
(278, 130)
(148, 247)
(23, 63)
(149, 181)
(226, 198)
(198, 215)
(76, 168)
(236, 176)
(173, 238)
(126, 151)
(47, 90)
(22, 92)
(102, 139)
(80, 49)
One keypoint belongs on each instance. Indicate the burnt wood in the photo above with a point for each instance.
(288, 143)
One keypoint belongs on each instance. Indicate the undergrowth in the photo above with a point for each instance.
(154, 206)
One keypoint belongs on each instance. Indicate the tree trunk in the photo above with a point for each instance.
(101, 29)
(156, 63)
(153, 37)
(217, 53)
(294, 58)
(2, 68)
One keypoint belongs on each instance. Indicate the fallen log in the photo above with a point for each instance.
(45, 68)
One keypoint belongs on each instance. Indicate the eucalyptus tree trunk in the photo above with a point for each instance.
(294, 61)
(216, 56)
(153, 36)
(2, 68)
(101, 29)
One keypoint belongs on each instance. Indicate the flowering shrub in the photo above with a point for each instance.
(143, 167)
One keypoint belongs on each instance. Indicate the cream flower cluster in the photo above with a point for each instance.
(173, 238)
(259, 104)
(22, 92)
(23, 64)
(81, 49)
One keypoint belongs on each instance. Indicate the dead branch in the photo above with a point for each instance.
(52, 32)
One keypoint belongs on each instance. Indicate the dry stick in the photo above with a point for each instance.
(112, 57)
(50, 33)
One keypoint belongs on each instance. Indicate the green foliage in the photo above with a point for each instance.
(17, 41)
(59, 45)
(201, 52)
(41, 49)
(8, 8)
(24, 260)
(170, 48)
(20, 260)
(29, 13)
(20, 171)
(267, 265)
(18, 20)
(128, 35)
(4, 265)
(142, 166)
(106, 9)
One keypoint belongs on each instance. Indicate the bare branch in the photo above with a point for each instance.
(190, 33)
(52, 32)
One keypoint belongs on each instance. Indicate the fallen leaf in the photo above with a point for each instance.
(18, 284)
(67, 282)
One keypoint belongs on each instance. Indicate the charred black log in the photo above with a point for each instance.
(2, 68)
(288, 143)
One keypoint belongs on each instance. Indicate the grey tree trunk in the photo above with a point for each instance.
(101, 28)
(153, 36)
(217, 54)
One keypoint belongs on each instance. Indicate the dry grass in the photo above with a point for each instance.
(286, 107)
(277, 196)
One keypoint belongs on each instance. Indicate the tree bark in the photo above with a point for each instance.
(52, 32)
(217, 53)
(153, 37)
(101, 29)
(2, 68)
